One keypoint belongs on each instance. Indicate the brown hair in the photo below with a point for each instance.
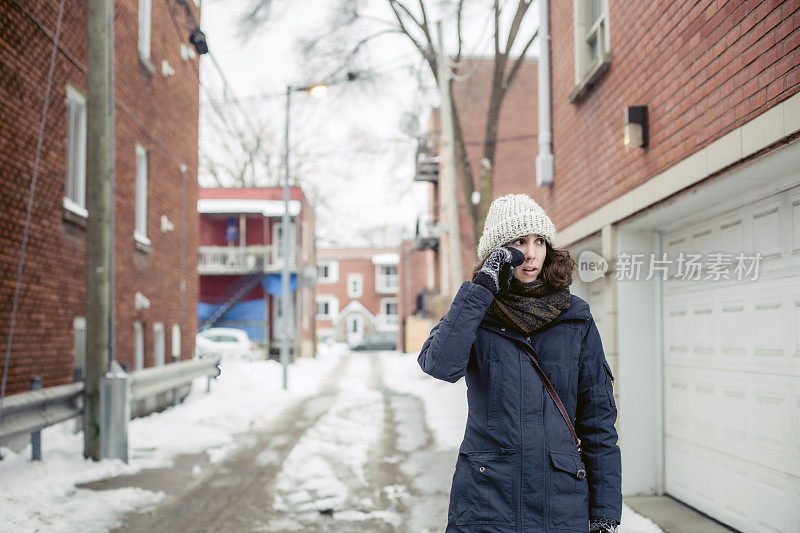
(556, 270)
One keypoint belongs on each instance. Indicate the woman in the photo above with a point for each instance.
(523, 464)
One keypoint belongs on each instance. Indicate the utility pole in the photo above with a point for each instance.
(450, 193)
(286, 302)
(99, 173)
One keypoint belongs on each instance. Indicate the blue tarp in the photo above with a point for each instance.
(272, 283)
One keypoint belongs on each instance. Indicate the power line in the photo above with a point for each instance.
(282, 94)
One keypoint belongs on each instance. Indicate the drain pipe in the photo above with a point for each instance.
(544, 161)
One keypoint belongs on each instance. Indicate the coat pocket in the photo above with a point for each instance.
(484, 489)
(569, 492)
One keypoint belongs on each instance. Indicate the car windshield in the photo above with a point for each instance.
(222, 338)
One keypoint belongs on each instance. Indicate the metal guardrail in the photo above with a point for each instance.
(151, 381)
(30, 412)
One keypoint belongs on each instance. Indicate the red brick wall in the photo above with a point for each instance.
(702, 68)
(517, 147)
(161, 114)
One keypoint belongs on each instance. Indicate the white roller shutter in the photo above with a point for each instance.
(732, 370)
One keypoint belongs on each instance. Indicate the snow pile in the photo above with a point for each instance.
(42, 496)
(247, 396)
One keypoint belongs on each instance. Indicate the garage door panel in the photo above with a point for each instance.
(728, 412)
(737, 493)
(768, 334)
(767, 229)
(755, 331)
(732, 370)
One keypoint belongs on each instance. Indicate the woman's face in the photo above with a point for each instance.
(533, 246)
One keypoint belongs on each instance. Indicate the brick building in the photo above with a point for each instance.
(705, 354)
(707, 368)
(155, 153)
(240, 263)
(356, 293)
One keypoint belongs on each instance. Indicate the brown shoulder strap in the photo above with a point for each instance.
(553, 395)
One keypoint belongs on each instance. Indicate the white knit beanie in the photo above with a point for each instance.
(512, 216)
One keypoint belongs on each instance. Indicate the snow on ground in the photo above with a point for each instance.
(445, 403)
(331, 456)
(42, 496)
(446, 416)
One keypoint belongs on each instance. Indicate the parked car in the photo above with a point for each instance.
(226, 343)
(377, 341)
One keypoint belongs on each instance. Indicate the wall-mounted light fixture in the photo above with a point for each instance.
(198, 40)
(635, 129)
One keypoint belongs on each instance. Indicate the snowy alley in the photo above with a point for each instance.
(360, 442)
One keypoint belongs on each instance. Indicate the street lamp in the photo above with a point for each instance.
(287, 326)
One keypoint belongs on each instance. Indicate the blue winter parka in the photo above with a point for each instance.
(518, 468)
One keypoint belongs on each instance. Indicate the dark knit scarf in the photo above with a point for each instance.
(527, 307)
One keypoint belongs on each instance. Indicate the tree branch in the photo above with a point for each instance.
(406, 10)
(427, 54)
(518, 63)
(496, 28)
(459, 12)
(522, 8)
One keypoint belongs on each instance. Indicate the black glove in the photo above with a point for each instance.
(603, 525)
(498, 269)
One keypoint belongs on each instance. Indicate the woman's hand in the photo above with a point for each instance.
(498, 269)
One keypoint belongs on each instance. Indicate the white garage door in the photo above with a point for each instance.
(732, 369)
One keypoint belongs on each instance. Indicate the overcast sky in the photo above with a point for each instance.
(354, 161)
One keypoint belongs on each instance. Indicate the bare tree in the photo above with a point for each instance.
(351, 31)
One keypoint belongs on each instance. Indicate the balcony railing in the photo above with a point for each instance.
(427, 233)
(239, 260)
(387, 283)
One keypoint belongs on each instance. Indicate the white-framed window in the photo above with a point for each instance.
(327, 271)
(159, 344)
(75, 191)
(386, 278)
(145, 28)
(78, 347)
(592, 42)
(140, 227)
(327, 307)
(138, 345)
(355, 285)
(176, 341)
(389, 310)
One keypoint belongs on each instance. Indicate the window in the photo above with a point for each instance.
(355, 285)
(327, 307)
(138, 346)
(78, 348)
(592, 44)
(140, 228)
(328, 272)
(145, 19)
(176, 341)
(158, 344)
(75, 193)
(389, 310)
(386, 278)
